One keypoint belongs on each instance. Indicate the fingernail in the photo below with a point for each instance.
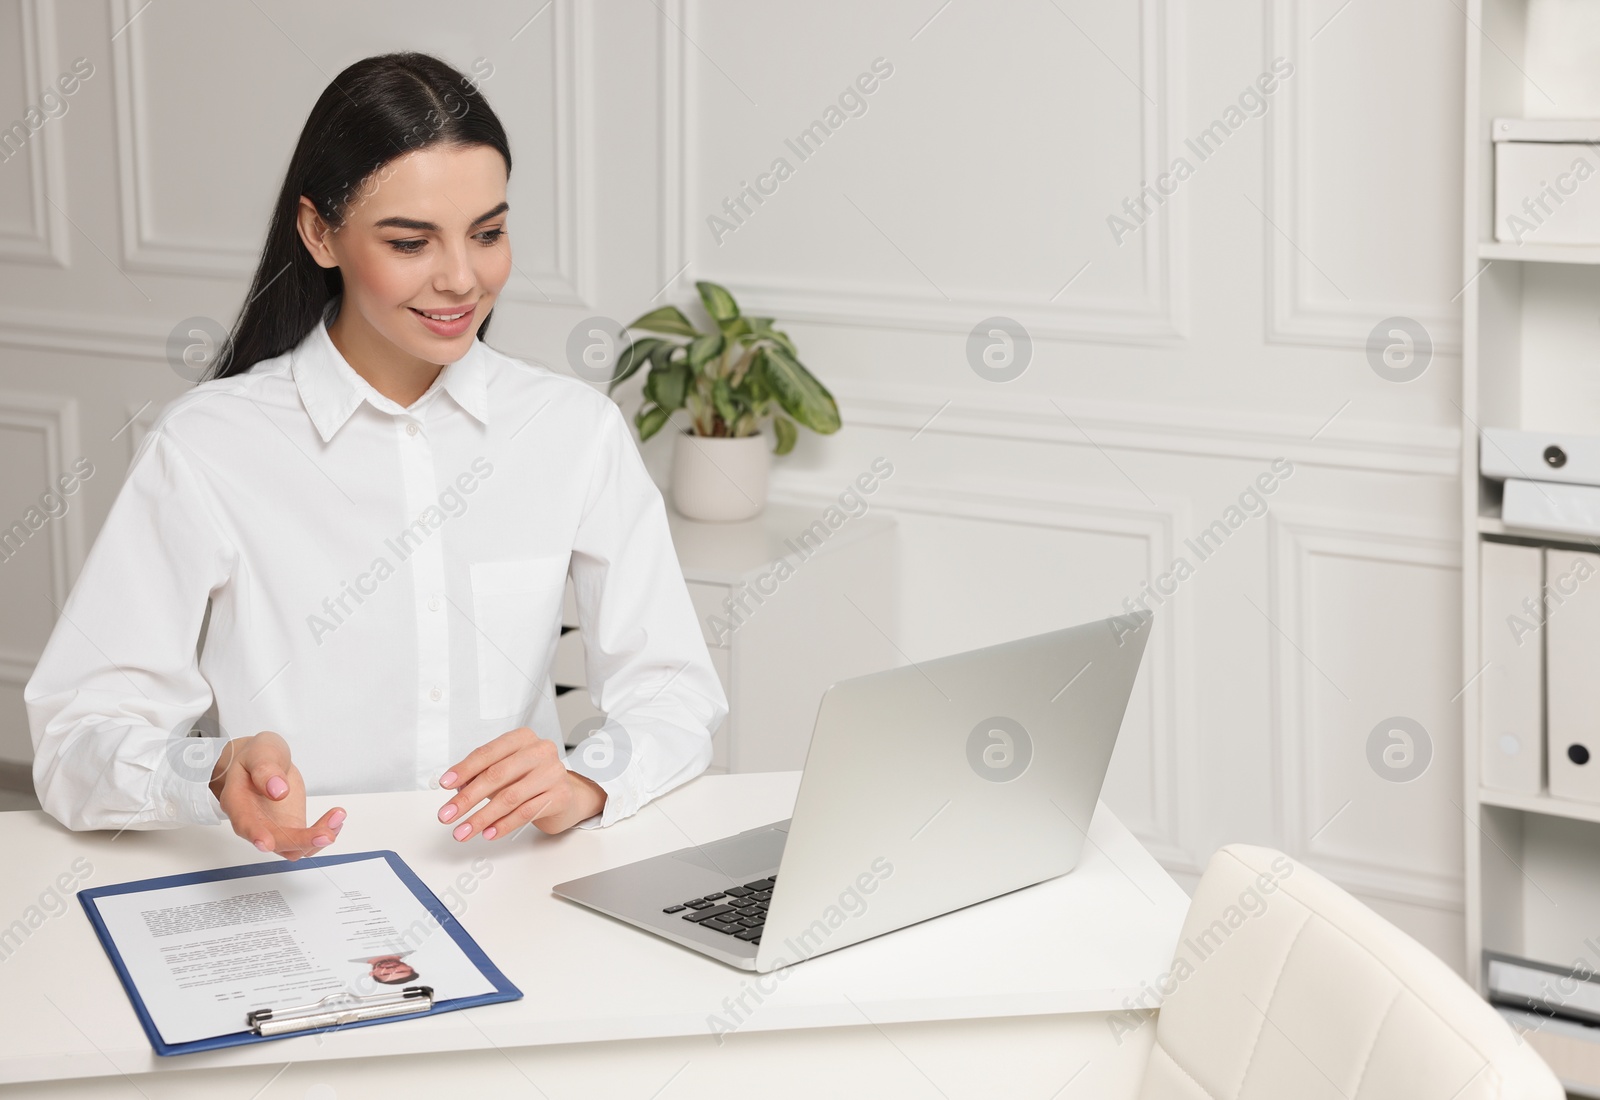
(448, 812)
(321, 841)
(337, 820)
(276, 787)
(488, 834)
(448, 779)
(463, 830)
(262, 845)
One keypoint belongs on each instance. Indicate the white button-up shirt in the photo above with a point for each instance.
(386, 593)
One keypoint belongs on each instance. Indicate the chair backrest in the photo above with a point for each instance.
(1283, 986)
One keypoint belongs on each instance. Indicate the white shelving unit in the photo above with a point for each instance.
(1531, 359)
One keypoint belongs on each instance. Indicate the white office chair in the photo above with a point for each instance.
(1303, 993)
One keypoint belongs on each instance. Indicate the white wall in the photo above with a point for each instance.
(1168, 370)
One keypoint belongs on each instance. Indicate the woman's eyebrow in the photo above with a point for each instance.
(430, 227)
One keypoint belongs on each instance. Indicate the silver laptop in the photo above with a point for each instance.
(926, 789)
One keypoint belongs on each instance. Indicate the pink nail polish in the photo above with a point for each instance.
(336, 820)
(463, 831)
(262, 845)
(488, 834)
(448, 779)
(448, 812)
(322, 841)
(276, 787)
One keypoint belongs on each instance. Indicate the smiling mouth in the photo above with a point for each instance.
(455, 316)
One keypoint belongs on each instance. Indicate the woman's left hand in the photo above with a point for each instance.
(522, 776)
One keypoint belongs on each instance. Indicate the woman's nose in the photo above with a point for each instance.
(455, 271)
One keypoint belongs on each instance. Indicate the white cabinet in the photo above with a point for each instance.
(1529, 348)
(788, 605)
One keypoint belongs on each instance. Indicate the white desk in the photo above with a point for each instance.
(1006, 998)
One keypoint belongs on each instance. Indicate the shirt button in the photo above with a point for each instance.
(435, 695)
(171, 809)
(411, 429)
(433, 604)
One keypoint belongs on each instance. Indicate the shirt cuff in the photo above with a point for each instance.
(622, 787)
(180, 791)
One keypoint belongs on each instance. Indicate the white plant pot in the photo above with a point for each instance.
(719, 480)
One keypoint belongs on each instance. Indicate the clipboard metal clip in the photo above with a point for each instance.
(338, 1009)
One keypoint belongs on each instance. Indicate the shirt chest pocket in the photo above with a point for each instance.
(516, 606)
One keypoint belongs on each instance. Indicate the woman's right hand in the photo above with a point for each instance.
(265, 799)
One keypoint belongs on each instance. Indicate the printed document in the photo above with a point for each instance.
(205, 954)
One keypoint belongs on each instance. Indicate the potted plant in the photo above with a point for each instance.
(732, 379)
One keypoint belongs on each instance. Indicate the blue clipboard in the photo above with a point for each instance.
(503, 989)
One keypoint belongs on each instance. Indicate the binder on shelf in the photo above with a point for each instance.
(1540, 456)
(1572, 690)
(1512, 744)
(1563, 992)
(1548, 506)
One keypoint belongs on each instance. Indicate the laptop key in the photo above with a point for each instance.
(763, 895)
(759, 884)
(674, 909)
(722, 926)
(738, 891)
(707, 914)
(697, 903)
(714, 897)
(752, 922)
(751, 934)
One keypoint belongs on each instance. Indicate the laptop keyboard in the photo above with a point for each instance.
(738, 911)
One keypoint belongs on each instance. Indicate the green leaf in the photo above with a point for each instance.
(667, 319)
(741, 369)
(668, 387)
(722, 398)
(787, 434)
(633, 357)
(650, 420)
(800, 394)
(662, 354)
(755, 381)
(718, 302)
(762, 327)
(704, 349)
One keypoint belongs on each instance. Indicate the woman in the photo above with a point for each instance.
(383, 512)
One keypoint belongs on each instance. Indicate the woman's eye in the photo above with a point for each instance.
(406, 246)
(491, 236)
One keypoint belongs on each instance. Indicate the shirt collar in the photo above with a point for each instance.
(331, 390)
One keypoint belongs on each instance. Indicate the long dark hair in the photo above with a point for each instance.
(374, 111)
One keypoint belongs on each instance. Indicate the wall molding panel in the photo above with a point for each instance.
(1293, 317)
(54, 418)
(567, 284)
(1188, 431)
(142, 250)
(1296, 538)
(46, 239)
(76, 333)
(1156, 316)
(1168, 677)
(570, 283)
